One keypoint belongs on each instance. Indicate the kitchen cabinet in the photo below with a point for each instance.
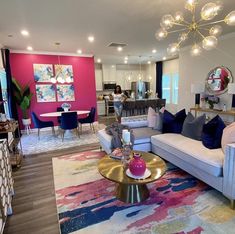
(99, 79)
(101, 107)
(109, 73)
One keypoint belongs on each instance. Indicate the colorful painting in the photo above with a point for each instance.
(178, 202)
(65, 71)
(45, 93)
(65, 93)
(43, 72)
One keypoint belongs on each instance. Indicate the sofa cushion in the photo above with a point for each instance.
(173, 123)
(228, 136)
(151, 117)
(192, 126)
(143, 135)
(191, 151)
(212, 133)
(135, 121)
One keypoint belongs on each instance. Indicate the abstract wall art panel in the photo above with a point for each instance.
(45, 93)
(65, 72)
(65, 93)
(43, 72)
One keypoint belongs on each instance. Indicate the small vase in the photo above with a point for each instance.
(137, 165)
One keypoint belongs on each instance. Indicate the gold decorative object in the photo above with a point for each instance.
(127, 189)
(203, 32)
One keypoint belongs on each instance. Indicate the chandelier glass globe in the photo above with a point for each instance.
(209, 11)
(179, 17)
(209, 42)
(196, 50)
(167, 21)
(183, 37)
(216, 30)
(230, 19)
(161, 34)
(173, 49)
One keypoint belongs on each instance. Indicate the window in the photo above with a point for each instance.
(170, 88)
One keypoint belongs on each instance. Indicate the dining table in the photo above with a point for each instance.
(58, 113)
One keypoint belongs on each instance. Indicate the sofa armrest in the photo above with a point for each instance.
(229, 172)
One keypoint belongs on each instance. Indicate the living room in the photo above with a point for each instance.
(117, 117)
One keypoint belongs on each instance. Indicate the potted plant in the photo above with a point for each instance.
(23, 98)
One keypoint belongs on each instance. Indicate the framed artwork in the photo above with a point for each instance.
(43, 72)
(65, 92)
(65, 71)
(45, 93)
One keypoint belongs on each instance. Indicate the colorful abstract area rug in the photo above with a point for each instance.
(178, 202)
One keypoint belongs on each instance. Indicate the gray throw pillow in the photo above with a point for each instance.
(159, 121)
(192, 126)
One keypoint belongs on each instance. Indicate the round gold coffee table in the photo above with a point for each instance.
(127, 189)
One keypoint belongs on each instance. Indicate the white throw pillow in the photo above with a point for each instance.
(152, 117)
(228, 136)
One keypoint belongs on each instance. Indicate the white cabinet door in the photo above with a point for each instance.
(98, 79)
(101, 107)
(109, 73)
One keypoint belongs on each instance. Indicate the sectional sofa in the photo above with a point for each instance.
(211, 166)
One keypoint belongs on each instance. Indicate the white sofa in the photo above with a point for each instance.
(211, 166)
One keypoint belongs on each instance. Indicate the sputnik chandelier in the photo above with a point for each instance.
(203, 31)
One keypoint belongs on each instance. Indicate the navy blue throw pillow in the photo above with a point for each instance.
(212, 133)
(173, 123)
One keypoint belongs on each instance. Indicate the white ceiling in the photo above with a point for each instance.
(69, 22)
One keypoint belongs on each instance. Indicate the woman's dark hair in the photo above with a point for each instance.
(120, 89)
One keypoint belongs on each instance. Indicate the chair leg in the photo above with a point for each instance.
(53, 131)
(81, 127)
(77, 132)
(62, 134)
(232, 204)
(38, 133)
(93, 127)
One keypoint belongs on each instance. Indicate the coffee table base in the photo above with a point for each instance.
(132, 193)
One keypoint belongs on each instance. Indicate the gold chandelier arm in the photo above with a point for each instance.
(200, 34)
(214, 22)
(179, 30)
(182, 41)
(178, 24)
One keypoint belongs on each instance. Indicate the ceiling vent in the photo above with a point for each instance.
(115, 45)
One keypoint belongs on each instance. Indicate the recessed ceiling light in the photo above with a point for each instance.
(119, 48)
(98, 60)
(149, 62)
(91, 38)
(126, 58)
(25, 33)
(30, 48)
(125, 61)
(113, 66)
(154, 51)
(79, 51)
(164, 58)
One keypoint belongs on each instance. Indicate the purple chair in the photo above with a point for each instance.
(90, 119)
(69, 122)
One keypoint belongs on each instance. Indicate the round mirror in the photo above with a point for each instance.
(217, 80)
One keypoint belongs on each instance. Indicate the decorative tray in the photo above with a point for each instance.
(144, 176)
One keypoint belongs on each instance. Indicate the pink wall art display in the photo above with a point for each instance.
(43, 72)
(45, 93)
(83, 70)
(65, 93)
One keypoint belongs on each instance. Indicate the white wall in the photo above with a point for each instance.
(195, 69)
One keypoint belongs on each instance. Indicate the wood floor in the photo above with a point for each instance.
(34, 200)
(34, 204)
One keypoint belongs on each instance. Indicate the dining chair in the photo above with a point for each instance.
(69, 122)
(90, 119)
(59, 109)
(39, 124)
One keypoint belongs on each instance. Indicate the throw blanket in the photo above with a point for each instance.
(115, 130)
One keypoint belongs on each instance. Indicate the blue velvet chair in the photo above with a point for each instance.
(90, 119)
(39, 124)
(69, 122)
(58, 109)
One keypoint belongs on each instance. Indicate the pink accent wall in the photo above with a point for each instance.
(84, 80)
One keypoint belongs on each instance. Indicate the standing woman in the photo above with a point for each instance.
(118, 98)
